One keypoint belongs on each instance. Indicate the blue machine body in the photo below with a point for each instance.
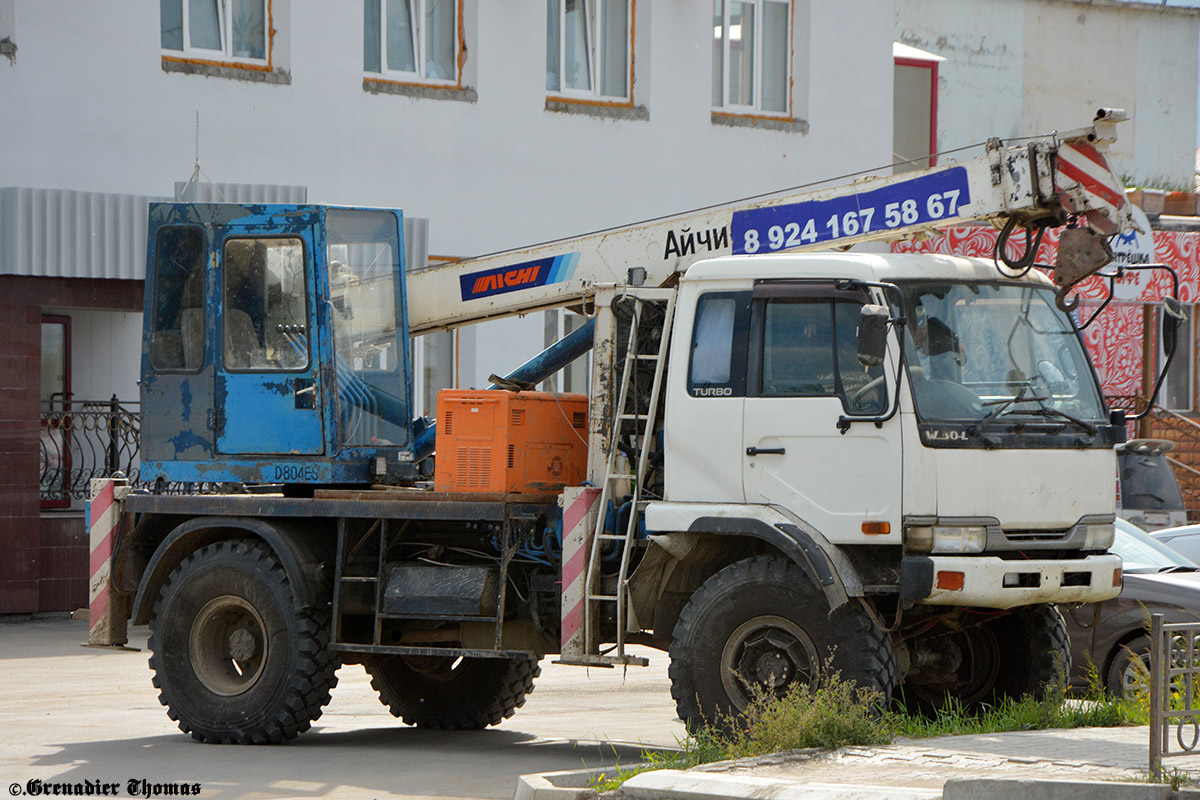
(275, 346)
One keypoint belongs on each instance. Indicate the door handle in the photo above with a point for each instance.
(765, 451)
(305, 392)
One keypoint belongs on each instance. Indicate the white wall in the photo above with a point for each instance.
(87, 106)
(1027, 67)
(105, 353)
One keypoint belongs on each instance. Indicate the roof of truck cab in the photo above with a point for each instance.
(862, 266)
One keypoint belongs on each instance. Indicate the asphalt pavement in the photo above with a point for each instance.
(84, 717)
(89, 720)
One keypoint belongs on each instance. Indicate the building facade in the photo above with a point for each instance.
(503, 124)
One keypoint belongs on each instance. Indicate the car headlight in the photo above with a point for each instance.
(1099, 536)
(947, 539)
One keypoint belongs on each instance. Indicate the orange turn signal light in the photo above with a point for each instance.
(876, 528)
(950, 581)
(1118, 578)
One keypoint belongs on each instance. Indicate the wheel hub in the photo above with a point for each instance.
(227, 645)
(769, 652)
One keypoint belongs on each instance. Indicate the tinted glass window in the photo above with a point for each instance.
(810, 348)
(177, 333)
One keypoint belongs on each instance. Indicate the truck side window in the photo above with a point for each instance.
(177, 337)
(810, 349)
(798, 348)
(718, 366)
(265, 313)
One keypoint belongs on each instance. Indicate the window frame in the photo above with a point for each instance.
(726, 109)
(596, 48)
(63, 429)
(309, 333)
(417, 23)
(223, 57)
(931, 65)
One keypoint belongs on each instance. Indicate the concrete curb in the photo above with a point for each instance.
(670, 784)
(573, 784)
(698, 784)
(1004, 789)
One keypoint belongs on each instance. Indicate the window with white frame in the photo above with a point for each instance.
(752, 46)
(411, 40)
(588, 48)
(229, 30)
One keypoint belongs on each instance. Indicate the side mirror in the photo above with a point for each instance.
(872, 335)
(1173, 314)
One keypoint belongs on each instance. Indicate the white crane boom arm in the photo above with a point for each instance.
(1039, 181)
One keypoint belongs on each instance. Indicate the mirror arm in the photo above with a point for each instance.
(1172, 306)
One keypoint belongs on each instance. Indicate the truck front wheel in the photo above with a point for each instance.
(450, 693)
(235, 660)
(760, 623)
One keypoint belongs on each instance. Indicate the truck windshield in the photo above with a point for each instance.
(994, 352)
(364, 258)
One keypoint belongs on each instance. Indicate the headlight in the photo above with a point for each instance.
(947, 539)
(1099, 536)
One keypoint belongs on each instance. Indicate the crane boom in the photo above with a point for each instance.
(1037, 182)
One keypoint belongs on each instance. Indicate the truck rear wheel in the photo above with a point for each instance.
(1009, 656)
(449, 693)
(235, 660)
(761, 623)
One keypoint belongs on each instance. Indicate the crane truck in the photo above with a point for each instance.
(787, 462)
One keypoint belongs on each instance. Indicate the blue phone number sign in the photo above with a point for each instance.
(928, 198)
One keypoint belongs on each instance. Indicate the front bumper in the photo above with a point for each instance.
(991, 582)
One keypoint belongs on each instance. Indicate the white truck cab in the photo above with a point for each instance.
(797, 431)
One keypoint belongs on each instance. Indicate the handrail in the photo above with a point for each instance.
(85, 439)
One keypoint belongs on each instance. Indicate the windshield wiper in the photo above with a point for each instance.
(1050, 411)
(1177, 568)
(1004, 405)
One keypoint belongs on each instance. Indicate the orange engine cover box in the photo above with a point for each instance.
(500, 441)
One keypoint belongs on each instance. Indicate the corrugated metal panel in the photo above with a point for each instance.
(68, 234)
(416, 243)
(208, 192)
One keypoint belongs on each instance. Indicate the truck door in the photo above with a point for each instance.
(803, 377)
(267, 391)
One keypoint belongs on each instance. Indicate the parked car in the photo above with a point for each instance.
(1185, 540)
(1113, 635)
(1148, 492)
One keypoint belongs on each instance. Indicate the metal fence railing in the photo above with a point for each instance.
(1174, 690)
(81, 440)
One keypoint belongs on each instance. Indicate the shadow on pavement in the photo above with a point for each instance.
(381, 762)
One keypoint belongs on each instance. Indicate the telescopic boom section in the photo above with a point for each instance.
(1038, 182)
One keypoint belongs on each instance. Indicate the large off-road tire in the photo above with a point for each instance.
(1011, 655)
(1129, 673)
(448, 693)
(1037, 651)
(761, 621)
(235, 660)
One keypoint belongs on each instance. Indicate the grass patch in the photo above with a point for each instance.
(839, 714)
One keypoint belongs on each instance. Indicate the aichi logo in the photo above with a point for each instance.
(514, 278)
(518, 276)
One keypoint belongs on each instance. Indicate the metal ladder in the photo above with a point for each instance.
(642, 420)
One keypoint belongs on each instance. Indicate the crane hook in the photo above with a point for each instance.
(1060, 300)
